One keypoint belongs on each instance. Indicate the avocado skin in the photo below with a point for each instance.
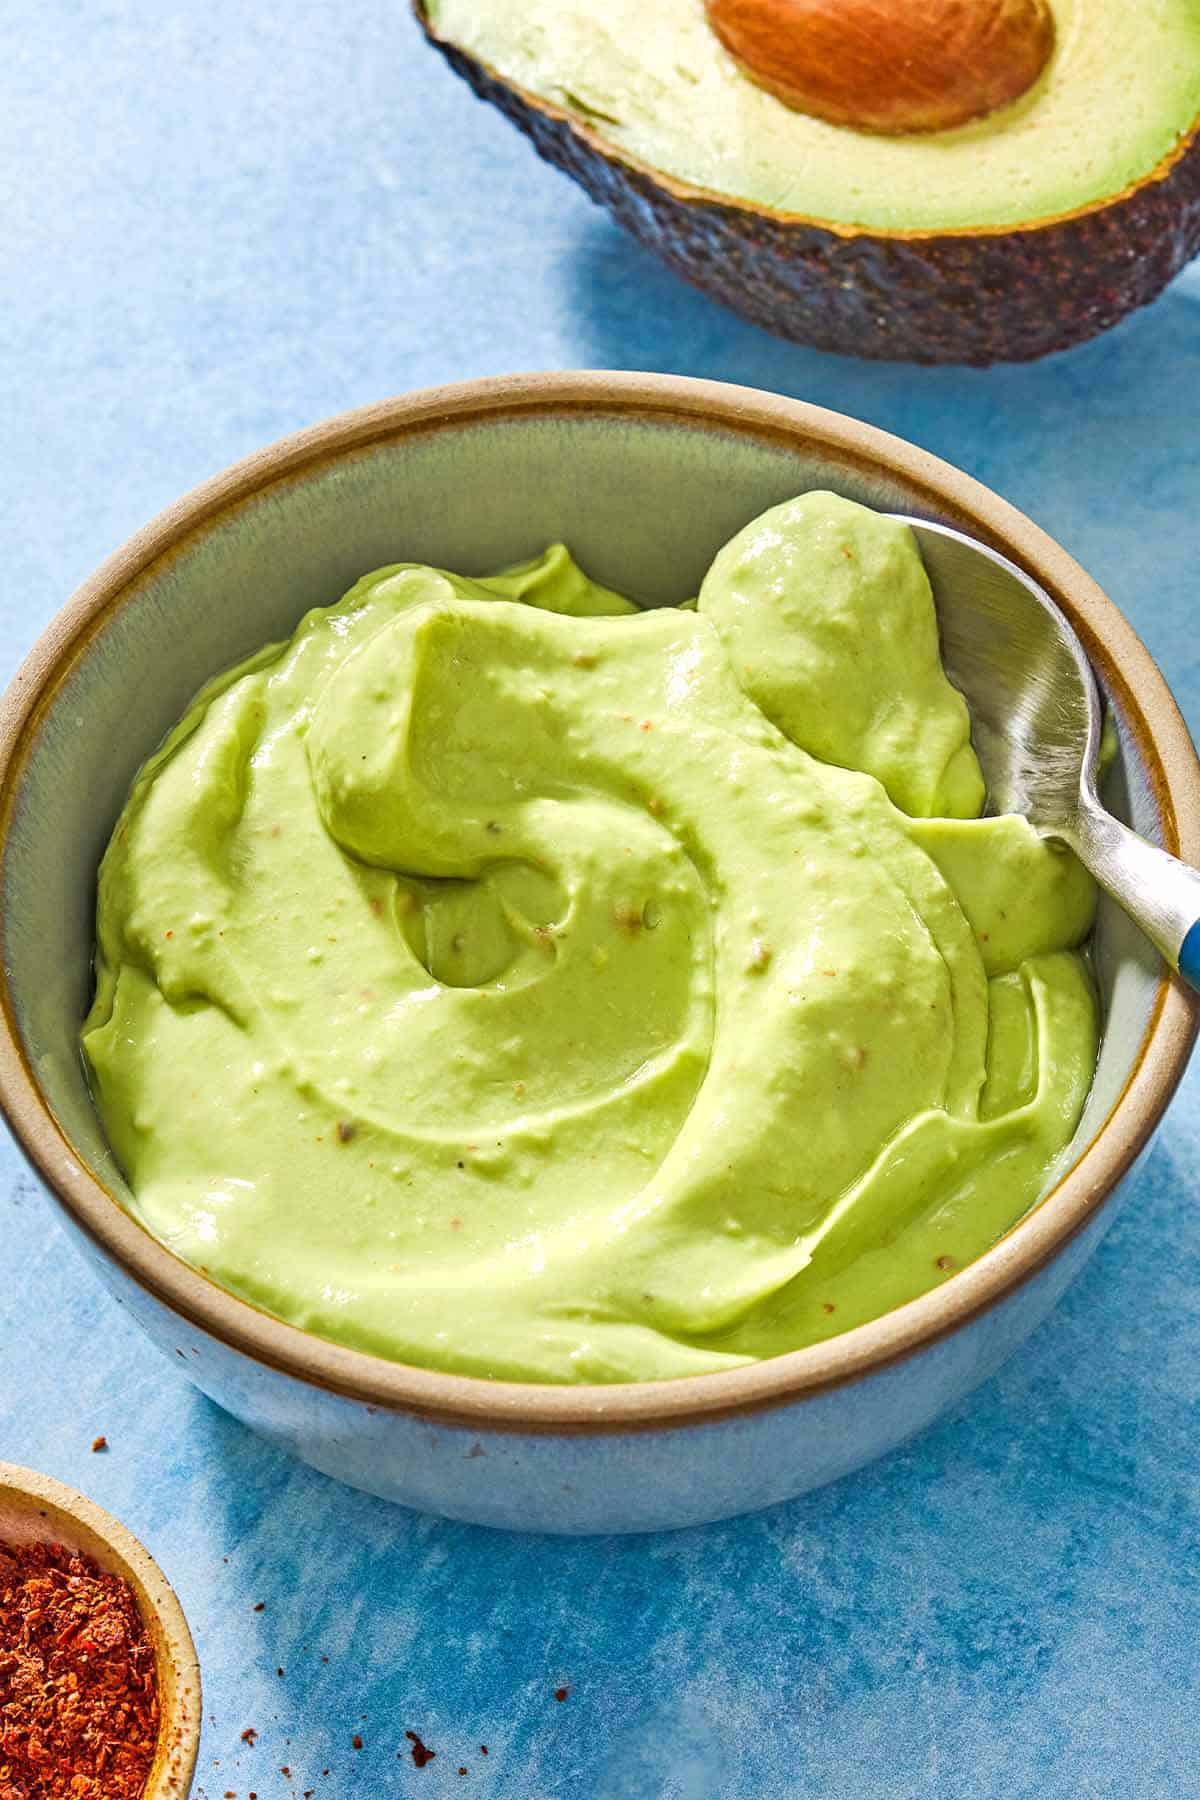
(992, 296)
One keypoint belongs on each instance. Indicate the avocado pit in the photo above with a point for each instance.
(889, 66)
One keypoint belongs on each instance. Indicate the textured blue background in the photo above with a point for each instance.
(220, 223)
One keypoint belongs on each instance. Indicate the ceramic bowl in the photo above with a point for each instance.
(645, 477)
(36, 1510)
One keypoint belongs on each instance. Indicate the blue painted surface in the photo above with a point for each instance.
(220, 224)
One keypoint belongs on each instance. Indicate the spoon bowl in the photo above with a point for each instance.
(1036, 724)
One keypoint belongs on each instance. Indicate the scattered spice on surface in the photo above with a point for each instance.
(483, 1749)
(421, 1753)
(946, 1262)
(78, 1682)
(561, 1693)
(260, 1606)
(285, 1770)
(250, 1736)
(99, 1443)
(356, 1741)
(461, 1769)
(279, 1672)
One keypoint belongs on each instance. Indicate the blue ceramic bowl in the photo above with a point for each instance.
(645, 477)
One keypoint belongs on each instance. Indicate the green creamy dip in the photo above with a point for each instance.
(503, 979)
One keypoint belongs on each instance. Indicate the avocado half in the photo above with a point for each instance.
(975, 294)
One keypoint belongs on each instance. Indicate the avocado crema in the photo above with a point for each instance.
(507, 980)
(1121, 89)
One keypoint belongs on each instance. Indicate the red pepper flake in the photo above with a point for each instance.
(100, 1443)
(284, 1770)
(483, 1749)
(421, 1754)
(78, 1680)
(461, 1769)
(561, 1693)
(828, 1306)
(250, 1736)
(260, 1605)
(356, 1741)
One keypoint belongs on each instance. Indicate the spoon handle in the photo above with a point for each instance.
(1159, 893)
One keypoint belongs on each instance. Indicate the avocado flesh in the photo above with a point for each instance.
(1120, 93)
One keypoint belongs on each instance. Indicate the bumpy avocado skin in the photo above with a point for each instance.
(992, 296)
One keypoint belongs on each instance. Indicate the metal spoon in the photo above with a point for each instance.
(1036, 724)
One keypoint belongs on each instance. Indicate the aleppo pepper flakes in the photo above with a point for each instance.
(421, 1753)
(78, 1682)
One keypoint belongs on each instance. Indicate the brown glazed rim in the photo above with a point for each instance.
(79, 1523)
(945, 493)
(690, 193)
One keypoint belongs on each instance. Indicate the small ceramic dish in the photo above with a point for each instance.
(645, 477)
(36, 1510)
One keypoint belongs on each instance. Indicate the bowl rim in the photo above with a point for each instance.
(85, 1525)
(477, 1402)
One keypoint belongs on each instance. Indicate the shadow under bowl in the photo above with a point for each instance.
(645, 477)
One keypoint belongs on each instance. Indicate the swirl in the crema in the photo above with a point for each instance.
(547, 1009)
